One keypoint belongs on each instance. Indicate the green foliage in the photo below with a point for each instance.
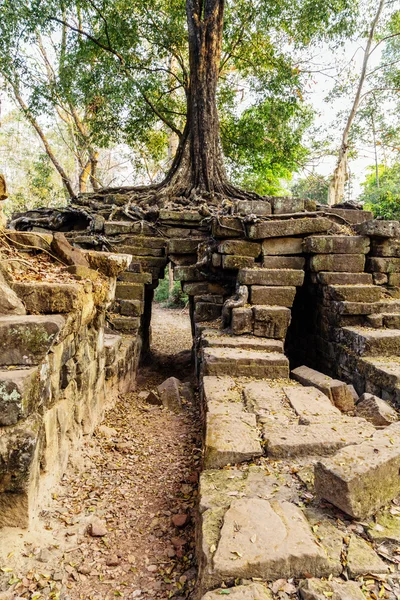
(384, 201)
(177, 298)
(314, 186)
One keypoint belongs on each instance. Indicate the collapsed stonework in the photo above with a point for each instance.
(296, 324)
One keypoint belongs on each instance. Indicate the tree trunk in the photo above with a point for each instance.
(84, 176)
(340, 175)
(94, 159)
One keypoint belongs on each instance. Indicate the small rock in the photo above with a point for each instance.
(84, 569)
(178, 542)
(112, 561)
(58, 576)
(153, 398)
(170, 395)
(136, 594)
(179, 520)
(44, 556)
(362, 559)
(152, 568)
(97, 528)
(107, 432)
(171, 552)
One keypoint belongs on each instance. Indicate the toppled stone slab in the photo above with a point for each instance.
(311, 405)
(361, 480)
(337, 244)
(328, 535)
(319, 439)
(385, 528)
(25, 340)
(362, 559)
(67, 253)
(337, 391)
(272, 295)
(169, 394)
(375, 410)
(287, 277)
(230, 439)
(271, 540)
(254, 591)
(290, 227)
(335, 589)
(247, 363)
(110, 264)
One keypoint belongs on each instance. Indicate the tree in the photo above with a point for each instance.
(314, 186)
(255, 52)
(383, 198)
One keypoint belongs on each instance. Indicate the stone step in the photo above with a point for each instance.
(354, 293)
(288, 227)
(360, 480)
(311, 405)
(337, 244)
(391, 321)
(369, 341)
(231, 438)
(129, 291)
(26, 339)
(245, 363)
(126, 324)
(49, 298)
(112, 344)
(215, 339)
(128, 277)
(272, 295)
(281, 277)
(19, 394)
(346, 263)
(334, 278)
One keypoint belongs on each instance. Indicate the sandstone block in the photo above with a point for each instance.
(283, 262)
(311, 405)
(244, 342)
(332, 278)
(336, 589)
(198, 288)
(227, 227)
(229, 261)
(391, 321)
(261, 208)
(169, 394)
(337, 391)
(10, 304)
(385, 247)
(383, 265)
(221, 391)
(183, 245)
(380, 229)
(207, 311)
(126, 324)
(287, 277)
(271, 540)
(254, 591)
(140, 251)
(129, 291)
(19, 392)
(336, 244)
(394, 279)
(272, 295)
(131, 308)
(242, 321)
(271, 321)
(188, 274)
(230, 438)
(143, 278)
(168, 215)
(286, 205)
(361, 480)
(347, 263)
(282, 246)
(354, 293)
(290, 227)
(362, 559)
(110, 264)
(50, 298)
(240, 247)
(246, 363)
(371, 342)
(67, 253)
(375, 410)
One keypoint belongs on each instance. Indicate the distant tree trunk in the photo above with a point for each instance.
(94, 160)
(341, 173)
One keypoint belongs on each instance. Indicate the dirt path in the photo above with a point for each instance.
(139, 483)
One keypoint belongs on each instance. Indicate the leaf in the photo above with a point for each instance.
(224, 593)
(213, 548)
(253, 538)
(328, 594)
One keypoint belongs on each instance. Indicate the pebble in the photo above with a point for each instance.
(97, 528)
(112, 561)
(44, 556)
(152, 568)
(179, 520)
(178, 542)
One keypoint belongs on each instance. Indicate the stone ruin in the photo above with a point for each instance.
(295, 313)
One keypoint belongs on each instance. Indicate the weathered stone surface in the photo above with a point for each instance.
(67, 253)
(288, 277)
(271, 540)
(337, 391)
(371, 342)
(230, 439)
(112, 344)
(198, 288)
(282, 246)
(385, 247)
(311, 405)
(272, 295)
(290, 227)
(183, 245)
(336, 244)
(361, 480)
(131, 308)
(126, 324)
(240, 247)
(271, 321)
(207, 311)
(261, 208)
(247, 363)
(180, 216)
(384, 528)
(25, 340)
(10, 304)
(209, 338)
(254, 591)
(19, 390)
(110, 264)
(141, 251)
(329, 278)
(319, 439)
(354, 293)
(375, 410)
(230, 261)
(335, 589)
(130, 291)
(29, 240)
(188, 274)
(347, 263)
(286, 204)
(327, 533)
(266, 401)
(383, 265)
(170, 394)
(242, 321)
(362, 559)
(221, 394)
(283, 262)
(227, 227)
(49, 298)
(391, 321)
(382, 229)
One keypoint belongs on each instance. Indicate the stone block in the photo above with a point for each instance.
(332, 278)
(131, 308)
(272, 295)
(216, 260)
(110, 264)
(286, 204)
(229, 261)
(230, 438)
(50, 298)
(10, 304)
(270, 540)
(129, 291)
(282, 246)
(383, 265)
(336, 244)
(254, 591)
(288, 227)
(375, 410)
(19, 394)
(183, 245)
(261, 208)
(221, 393)
(336, 589)
(380, 278)
(347, 263)
(391, 321)
(311, 405)
(112, 344)
(394, 279)
(246, 363)
(337, 391)
(283, 262)
(354, 293)
(198, 288)
(207, 311)
(380, 229)
(385, 247)
(271, 321)
(26, 339)
(69, 255)
(227, 227)
(140, 251)
(128, 277)
(370, 342)
(126, 324)
(362, 559)
(183, 260)
(361, 480)
(288, 277)
(190, 217)
(240, 247)
(29, 240)
(169, 393)
(242, 321)
(188, 274)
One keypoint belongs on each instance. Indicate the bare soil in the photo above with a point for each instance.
(139, 481)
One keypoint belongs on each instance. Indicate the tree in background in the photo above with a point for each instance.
(382, 194)
(314, 186)
(118, 65)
